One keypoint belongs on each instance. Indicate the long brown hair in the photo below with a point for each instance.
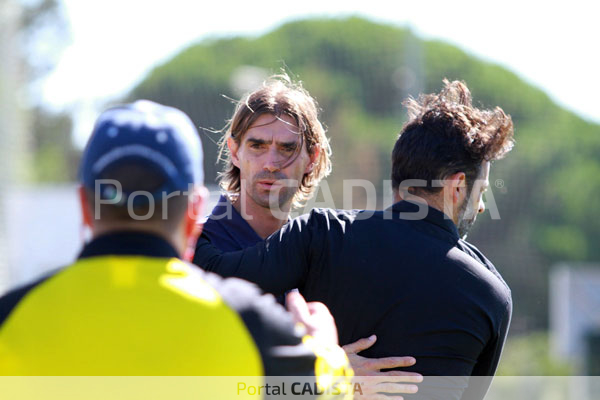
(279, 96)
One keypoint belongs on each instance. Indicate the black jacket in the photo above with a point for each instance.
(410, 280)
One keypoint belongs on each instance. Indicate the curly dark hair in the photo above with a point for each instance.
(446, 134)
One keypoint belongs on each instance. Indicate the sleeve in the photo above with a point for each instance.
(10, 300)
(484, 370)
(278, 264)
(283, 346)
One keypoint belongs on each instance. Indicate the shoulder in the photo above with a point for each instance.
(219, 231)
(214, 222)
(482, 275)
(215, 231)
(10, 300)
(283, 346)
(260, 312)
(227, 229)
(477, 255)
(330, 217)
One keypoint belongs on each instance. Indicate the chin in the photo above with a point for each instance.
(464, 227)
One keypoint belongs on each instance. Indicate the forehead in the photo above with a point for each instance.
(484, 175)
(485, 170)
(270, 127)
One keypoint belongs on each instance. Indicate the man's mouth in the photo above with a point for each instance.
(267, 183)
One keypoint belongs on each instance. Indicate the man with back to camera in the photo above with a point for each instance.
(130, 305)
(276, 155)
(454, 308)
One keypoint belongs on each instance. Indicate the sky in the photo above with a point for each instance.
(115, 43)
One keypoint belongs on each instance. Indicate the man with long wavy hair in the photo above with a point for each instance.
(276, 153)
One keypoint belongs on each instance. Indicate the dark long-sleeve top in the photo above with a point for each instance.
(227, 230)
(402, 274)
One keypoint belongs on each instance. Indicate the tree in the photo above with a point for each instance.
(38, 141)
(359, 71)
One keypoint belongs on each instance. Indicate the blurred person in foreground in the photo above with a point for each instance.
(405, 274)
(276, 153)
(130, 305)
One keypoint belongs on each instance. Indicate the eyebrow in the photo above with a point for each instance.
(258, 141)
(262, 141)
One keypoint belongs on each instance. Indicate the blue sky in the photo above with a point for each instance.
(114, 43)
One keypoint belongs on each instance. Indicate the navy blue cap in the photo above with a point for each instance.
(146, 134)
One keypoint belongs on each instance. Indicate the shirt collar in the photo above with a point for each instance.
(434, 216)
(225, 213)
(129, 243)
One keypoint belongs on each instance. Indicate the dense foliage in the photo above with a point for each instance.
(360, 71)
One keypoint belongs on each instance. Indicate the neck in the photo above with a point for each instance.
(436, 202)
(174, 239)
(263, 220)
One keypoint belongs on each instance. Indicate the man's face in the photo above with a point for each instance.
(267, 154)
(473, 203)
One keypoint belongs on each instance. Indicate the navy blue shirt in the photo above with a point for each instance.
(228, 231)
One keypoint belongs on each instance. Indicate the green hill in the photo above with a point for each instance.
(360, 71)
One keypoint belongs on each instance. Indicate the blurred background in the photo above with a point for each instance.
(63, 61)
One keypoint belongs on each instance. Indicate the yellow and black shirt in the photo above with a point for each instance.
(130, 306)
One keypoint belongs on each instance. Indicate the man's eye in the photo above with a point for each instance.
(289, 149)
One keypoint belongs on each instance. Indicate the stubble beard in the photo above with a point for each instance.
(466, 217)
(276, 198)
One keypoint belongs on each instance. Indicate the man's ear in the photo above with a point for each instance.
(457, 183)
(233, 150)
(86, 211)
(454, 192)
(195, 212)
(192, 227)
(313, 159)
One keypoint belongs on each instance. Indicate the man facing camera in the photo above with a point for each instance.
(276, 153)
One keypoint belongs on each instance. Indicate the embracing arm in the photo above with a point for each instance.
(278, 264)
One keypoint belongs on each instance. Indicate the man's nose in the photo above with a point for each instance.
(273, 161)
(481, 206)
